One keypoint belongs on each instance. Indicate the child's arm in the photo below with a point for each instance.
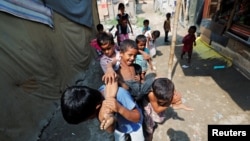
(194, 41)
(106, 115)
(145, 55)
(131, 115)
(164, 25)
(153, 101)
(151, 64)
(110, 74)
(130, 26)
(177, 102)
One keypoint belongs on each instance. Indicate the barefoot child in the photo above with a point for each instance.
(155, 104)
(188, 42)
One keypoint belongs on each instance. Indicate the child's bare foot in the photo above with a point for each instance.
(108, 121)
(182, 106)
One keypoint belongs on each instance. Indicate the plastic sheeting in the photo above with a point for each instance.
(206, 52)
(37, 63)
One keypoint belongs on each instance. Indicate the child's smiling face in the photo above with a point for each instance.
(128, 56)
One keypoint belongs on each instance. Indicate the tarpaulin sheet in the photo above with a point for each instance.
(205, 51)
(37, 62)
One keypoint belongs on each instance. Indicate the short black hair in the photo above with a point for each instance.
(163, 89)
(156, 33)
(104, 38)
(168, 15)
(141, 38)
(193, 27)
(99, 27)
(145, 21)
(138, 69)
(121, 5)
(78, 103)
(126, 44)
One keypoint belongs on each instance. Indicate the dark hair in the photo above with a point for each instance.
(105, 38)
(138, 69)
(128, 43)
(120, 6)
(168, 15)
(140, 38)
(156, 33)
(193, 28)
(99, 27)
(163, 89)
(146, 21)
(78, 103)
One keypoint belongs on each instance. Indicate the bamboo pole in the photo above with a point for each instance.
(173, 42)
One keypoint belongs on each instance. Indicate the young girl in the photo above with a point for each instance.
(151, 38)
(188, 42)
(123, 24)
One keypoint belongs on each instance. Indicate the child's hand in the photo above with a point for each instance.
(112, 104)
(146, 56)
(182, 106)
(137, 78)
(110, 76)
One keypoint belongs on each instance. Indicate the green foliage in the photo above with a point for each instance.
(111, 22)
(139, 21)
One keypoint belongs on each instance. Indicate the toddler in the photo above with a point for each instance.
(188, 42)
(145, 27)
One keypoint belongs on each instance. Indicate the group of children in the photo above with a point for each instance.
(131, 101)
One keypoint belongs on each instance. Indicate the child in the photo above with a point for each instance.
(80, 103)
(167, 26)
(127, 77)
(151, 38)
(145, 27)
(155, 104)
(188, 42)
(141, 41)
(109, 50)
(93, 42)
(123, 23)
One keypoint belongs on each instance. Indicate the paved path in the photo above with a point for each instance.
(218, 96)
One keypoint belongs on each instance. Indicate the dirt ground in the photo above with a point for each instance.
(219, 96)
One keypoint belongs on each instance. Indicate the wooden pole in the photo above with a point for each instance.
(173, 42)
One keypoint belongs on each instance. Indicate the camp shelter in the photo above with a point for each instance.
(226, 27)
(44, 47)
